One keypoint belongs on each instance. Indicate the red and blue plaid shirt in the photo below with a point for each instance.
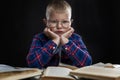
(44, 52)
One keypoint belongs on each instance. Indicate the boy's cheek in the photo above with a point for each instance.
(68, 29)
(51, 29)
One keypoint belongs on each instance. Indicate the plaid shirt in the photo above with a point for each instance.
(44, 52)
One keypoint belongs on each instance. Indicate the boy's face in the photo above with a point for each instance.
(59, 22)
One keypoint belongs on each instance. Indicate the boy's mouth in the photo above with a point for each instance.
(59, 32)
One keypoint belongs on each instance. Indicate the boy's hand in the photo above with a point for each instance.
(52, 35)
(65, 36)
(68, 33)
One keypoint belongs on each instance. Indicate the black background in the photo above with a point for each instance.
(97, 21)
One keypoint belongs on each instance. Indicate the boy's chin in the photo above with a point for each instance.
(59, 34)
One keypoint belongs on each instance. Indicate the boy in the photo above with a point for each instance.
(58, 43)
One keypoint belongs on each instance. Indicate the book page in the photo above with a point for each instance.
(68, 66)
(96, 72)
(107, 65)
(57, 72)
(7, 68)
(15, 73)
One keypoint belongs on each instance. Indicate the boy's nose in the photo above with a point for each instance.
(59, 25)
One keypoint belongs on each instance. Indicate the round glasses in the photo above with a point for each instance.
(54, 23)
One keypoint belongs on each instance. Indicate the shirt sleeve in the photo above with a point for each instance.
(39, 55)
(77, 52)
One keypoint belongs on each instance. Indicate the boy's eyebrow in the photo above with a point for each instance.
(58, 20)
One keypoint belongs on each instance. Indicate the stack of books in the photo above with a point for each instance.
(17, 73)
(99, 71)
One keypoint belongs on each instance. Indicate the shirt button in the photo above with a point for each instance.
(66, 48)
(53, 47)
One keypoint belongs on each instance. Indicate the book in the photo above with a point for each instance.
(15, 73)
(58, 73)
(98, 73)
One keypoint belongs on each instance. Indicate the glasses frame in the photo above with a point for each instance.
(64, 23)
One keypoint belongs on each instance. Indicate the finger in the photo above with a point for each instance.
(70, 32)
(50, 32)
(46, 31)
(67, 34)
(72, 29)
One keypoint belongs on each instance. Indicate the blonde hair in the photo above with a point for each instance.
(58, 6)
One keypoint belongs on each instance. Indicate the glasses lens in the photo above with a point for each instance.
(65, 23)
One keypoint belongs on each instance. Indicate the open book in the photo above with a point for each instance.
(99, 72)
(58, 73)
(15, 73)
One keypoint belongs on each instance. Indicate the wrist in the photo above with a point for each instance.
(64, 40)
(57, 41)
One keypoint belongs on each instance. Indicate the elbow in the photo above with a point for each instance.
(33, 63)
(88, 61)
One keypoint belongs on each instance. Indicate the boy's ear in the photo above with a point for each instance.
(45, 21)
(71, 20)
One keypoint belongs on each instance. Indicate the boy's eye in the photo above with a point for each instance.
(64, 22)
(53, 21)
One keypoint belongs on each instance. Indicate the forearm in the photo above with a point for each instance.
(56, 41)
(80, 57)
(63, 40)
(40, 56)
